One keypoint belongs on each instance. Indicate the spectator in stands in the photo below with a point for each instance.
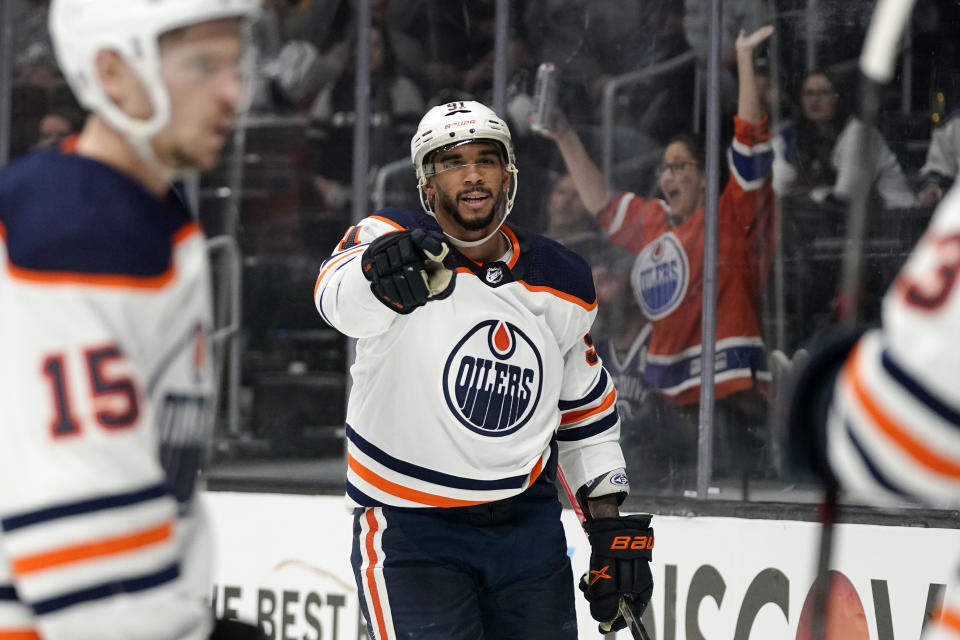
(321, 43)
(621, 337)
(940, 168)
(58, 124)
(567, 219)
(817, 155)
(395, 101)
(667, 237)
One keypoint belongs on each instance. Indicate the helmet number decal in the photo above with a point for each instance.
(456, 107)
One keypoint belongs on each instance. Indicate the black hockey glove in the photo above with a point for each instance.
(621, 550)
(406, 269)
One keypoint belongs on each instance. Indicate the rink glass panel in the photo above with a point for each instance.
(286, 188)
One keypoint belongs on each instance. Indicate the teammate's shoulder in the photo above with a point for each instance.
(404, 218)
(547, 263)
(65, 213)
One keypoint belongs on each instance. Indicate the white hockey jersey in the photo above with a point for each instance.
(893, 427)
(460, 402)
(106, 390)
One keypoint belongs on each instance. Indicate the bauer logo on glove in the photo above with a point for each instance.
(621, 550)
(406, 269)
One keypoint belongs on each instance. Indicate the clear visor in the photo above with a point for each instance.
(488, 161)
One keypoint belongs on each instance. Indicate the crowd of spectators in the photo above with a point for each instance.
(427, 52)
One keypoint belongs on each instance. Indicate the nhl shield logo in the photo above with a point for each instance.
(660, 276)
(494, 275)
(493, 378)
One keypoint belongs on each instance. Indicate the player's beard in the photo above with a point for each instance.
(449, 205)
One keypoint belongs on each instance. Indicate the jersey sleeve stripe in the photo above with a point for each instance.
(333, 262)
(598, 389)
(590, 430)
(429, 475)
(19, 521)
(874, 470)
(752, 171)
(923, 396)
(78, 553)
(889, 427)
(575, 416)
(108, 590)
(323, 314)
(400, 491)
(337, 255)
(388, 222)
(620, 214)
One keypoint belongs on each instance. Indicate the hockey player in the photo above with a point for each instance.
(667, 237)
(475, 375)
(106, 384)
(878, 412)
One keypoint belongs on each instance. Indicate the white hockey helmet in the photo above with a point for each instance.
(79, 29)
(457, 123)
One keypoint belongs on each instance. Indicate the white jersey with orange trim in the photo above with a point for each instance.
(106, 386)
(893, 426)
(460, 402)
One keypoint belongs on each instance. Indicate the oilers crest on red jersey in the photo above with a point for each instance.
(493, 378)
(660, 276)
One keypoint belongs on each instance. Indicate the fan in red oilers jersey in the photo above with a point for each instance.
(667, 235)
(106, 382)
(466, 400)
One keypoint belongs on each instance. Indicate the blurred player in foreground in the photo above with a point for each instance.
(878, 412)
(475, 375)
(106, 382)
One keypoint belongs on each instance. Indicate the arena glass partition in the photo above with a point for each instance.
(632, 74)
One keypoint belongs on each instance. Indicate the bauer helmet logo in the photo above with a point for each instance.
(493, 378)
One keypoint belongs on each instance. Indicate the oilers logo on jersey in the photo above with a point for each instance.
(493, 378)
(660, 276)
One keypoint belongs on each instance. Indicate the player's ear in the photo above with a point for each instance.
(111, 73)
(122, 86)
(429, 189)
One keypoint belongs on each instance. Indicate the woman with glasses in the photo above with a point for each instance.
(667, 237)
(815, 154)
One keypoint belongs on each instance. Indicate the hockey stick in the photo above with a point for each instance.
(627, 607)
(876, 67)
